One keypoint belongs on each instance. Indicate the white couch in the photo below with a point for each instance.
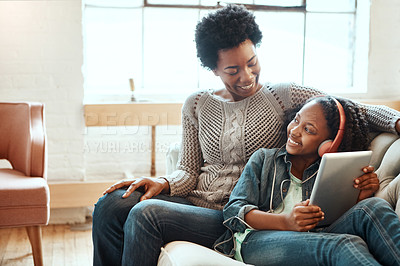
(385, 158)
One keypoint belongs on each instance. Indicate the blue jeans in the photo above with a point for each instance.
(368, 234)
(130, 233)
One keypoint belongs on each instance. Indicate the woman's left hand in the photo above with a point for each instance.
(368, 183)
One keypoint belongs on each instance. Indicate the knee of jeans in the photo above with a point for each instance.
(375, 207)
(374, 203)
(151, 212)
(102, 210)
(104, 203)
(148, 208)
(113, 207)
(349, 241)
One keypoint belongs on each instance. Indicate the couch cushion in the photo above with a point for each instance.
(23, 200)
(182, 253)
(379, 145)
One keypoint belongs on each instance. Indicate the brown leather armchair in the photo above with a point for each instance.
(24, 193)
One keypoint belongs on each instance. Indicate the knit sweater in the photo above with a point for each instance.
(220, 136)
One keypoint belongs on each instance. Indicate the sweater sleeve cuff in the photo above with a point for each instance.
(174, 179)
(394, 130)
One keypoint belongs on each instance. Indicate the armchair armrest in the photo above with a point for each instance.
(23, 137)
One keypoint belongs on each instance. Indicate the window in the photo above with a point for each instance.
(320, 43)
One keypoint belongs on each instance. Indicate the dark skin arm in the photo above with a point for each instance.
(302, 218)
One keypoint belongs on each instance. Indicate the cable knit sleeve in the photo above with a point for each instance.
(381, 117)
(292, 96)
(185, 178)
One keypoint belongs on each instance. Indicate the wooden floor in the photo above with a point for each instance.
(62, 245)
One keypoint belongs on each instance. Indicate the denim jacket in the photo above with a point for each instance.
(253, 191)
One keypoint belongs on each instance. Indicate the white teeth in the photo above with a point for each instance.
(291, 141)
(247, 87)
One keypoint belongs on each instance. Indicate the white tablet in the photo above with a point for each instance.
(333, 189)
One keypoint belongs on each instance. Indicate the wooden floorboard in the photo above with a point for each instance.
(62, 245)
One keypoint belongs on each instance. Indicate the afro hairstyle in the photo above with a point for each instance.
(225, 28)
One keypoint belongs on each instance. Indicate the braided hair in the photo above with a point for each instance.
(356, 132)
(225, 28)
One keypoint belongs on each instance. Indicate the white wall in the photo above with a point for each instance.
(41, 58)
(384, 55)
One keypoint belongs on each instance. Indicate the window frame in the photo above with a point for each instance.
(359, 69)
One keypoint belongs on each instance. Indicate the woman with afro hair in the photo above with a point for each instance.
(221, 129)
(265, 229)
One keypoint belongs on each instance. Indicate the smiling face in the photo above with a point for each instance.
(307, 131)
(239, 70)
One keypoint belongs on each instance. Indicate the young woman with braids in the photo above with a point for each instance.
(266, 229)
(222, 128)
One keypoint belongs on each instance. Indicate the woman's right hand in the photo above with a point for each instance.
(152, 186)
(304, 217)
